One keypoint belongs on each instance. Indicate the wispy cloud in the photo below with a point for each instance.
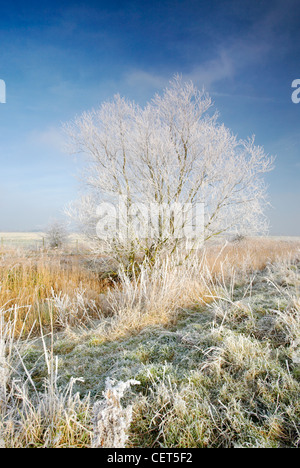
(50, 137)
(204, 74)
(142, 78)
(210, 72)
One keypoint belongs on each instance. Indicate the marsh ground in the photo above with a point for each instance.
(214, 344)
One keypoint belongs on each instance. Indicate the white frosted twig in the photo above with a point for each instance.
(111, 421)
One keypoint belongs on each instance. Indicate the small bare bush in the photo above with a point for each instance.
(111, 421)
(56, 235)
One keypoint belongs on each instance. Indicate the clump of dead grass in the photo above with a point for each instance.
(29, 281)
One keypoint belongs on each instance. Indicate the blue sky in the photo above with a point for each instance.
(61, 58)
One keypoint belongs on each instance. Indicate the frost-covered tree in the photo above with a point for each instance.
(56, 234)
(173, 150)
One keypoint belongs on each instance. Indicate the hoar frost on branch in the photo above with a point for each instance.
(171, 151)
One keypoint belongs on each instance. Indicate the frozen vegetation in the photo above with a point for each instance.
(208, 350)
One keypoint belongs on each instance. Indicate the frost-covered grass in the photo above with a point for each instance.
(214, 346)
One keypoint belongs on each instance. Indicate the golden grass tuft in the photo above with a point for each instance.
(27, 282)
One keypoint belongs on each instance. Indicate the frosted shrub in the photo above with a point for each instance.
(111, 421)
(56, 235)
